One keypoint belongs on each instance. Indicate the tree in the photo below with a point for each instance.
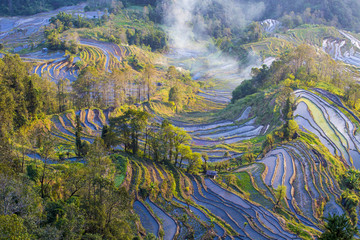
(23, 140)
(175, 96)
(150, 236)
(205, 157)
(185, 153)
(280, 193)
(246, 88)
(119, 85)
(148, 75)
(351, 179)
(339, 228)
(108, 136)
(268, 144)
(78, 143)
(270, 140)
(12, 228)
(172, 74)
(249, 156)
(194, 163)
(230, 179)
(290, 129)
(46, 150)
(61, 93)
(85, 88)
(129, 128)
(288, 110)
(175, 137)
(32, 99)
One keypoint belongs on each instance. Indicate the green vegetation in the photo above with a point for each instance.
(338, 227)
(23, 7)
(120, 114)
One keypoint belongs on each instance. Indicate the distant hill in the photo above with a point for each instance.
(345, 12)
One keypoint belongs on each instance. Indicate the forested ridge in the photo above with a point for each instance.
(344, 13)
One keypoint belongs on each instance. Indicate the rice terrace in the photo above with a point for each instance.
(179, 119)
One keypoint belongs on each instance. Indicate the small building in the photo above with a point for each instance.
(211, 174)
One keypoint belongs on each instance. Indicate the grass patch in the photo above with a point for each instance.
(243, 181)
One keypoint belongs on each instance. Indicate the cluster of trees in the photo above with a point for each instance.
(163, 143)
(95, 89)
(154, 38)
(25, 7)
(43, 200)
(64, 21)
(301, 68)
(309, 16)
(26, 97)
(350, 181)
(338, 227)
(23, 97)
(65, 201)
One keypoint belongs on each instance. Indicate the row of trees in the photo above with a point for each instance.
(155, 38)
(103, 90)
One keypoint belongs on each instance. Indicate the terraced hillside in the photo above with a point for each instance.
(92, 121)
(212, 211)
(21, 32)
(339, 44)
(311, 188)
(57, 69)
(104, 56)
(225, 132)
(346, 48)
(332, 122)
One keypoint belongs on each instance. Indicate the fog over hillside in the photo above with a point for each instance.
(189, 38)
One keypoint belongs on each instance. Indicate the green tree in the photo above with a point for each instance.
(108, 136)
(32, 99)
(148, 73)
(205, 157)
(230, 179)
(175, 96)
(194, 163)
(78, 131)
(46, 150)
(270, 140)
(249, 157)
(339, 228)
(244, 89)
(185, 153)
(130, 127)
(12, 228)
(288, 110)
(351, 179)
(280, 193)
(290, 129)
